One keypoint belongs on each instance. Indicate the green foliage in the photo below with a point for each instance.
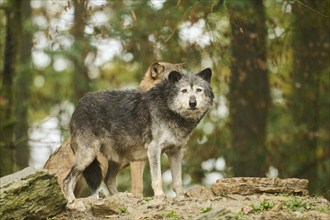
(206, 209)
(147, 199)
(239, 215)
(123, 210)
(172, 215)
(262, 206)
(296, 204)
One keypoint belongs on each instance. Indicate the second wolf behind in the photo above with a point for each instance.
(131, 125)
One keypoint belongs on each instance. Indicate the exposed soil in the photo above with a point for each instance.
(200, 203)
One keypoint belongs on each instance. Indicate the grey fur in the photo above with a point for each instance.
(129, 125)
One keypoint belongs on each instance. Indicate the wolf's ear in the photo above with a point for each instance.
(174, 76)
(179, 65)
(205, 74)
(156, 69)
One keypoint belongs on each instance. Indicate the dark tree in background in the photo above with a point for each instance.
(249, 87)
(23, 88)
(80, 80)
(7, 110)
(310, 45)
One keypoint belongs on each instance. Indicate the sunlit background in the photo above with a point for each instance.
(110, 44)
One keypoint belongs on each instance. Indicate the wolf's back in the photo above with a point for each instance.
(121, 111)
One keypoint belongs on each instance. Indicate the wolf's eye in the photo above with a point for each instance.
(184, 90)
(199, 90)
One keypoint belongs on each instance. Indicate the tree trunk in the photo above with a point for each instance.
(81, 81)
(28, 194)
(310, 45)
(249, 87)
(23, 82)
(13, 39)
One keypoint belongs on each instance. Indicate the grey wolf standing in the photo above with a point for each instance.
(132, 125)
(155, 74)
(61, 161)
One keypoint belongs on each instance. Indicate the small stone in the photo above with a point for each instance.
(199, 192)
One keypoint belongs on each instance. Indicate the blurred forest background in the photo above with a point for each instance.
(271, 76)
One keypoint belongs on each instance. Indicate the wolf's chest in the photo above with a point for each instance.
(169, 137)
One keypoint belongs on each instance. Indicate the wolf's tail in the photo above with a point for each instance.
(93, 175)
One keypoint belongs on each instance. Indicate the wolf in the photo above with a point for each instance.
(133, 125)
(61, 161)
(154, 75)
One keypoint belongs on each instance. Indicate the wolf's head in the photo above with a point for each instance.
(191, 94)
(157, 72)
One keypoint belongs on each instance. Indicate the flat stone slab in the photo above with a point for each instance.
(258, 185)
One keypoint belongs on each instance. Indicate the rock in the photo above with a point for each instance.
(30, 194)
(116, 204)
(257, 185)
(215, 214)
(199, 192)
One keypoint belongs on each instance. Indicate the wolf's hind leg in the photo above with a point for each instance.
(84, 156)
(101, 190)
(137, 168)
(110, 178)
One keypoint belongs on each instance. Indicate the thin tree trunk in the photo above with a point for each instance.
(13, 39)
(23, 83)
(81, 81)
(249, 87)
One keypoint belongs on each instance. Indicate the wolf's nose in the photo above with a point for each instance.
(192, 103)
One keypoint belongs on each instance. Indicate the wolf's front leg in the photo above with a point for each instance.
(154, 152)
(175, 158)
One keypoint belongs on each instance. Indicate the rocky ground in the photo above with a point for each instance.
(31, 194)
(200, 203)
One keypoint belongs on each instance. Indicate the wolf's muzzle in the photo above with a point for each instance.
(192, 103)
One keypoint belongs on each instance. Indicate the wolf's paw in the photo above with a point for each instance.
(180, 196)
(131, 195)
(161, 195)
(76, 205)
(160, 198)
(137, 194)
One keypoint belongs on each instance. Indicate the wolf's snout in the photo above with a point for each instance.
(192, 103)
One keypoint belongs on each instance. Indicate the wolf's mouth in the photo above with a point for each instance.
(192, 108)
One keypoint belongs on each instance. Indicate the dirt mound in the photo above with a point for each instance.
(200, 203)
(31, 194)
